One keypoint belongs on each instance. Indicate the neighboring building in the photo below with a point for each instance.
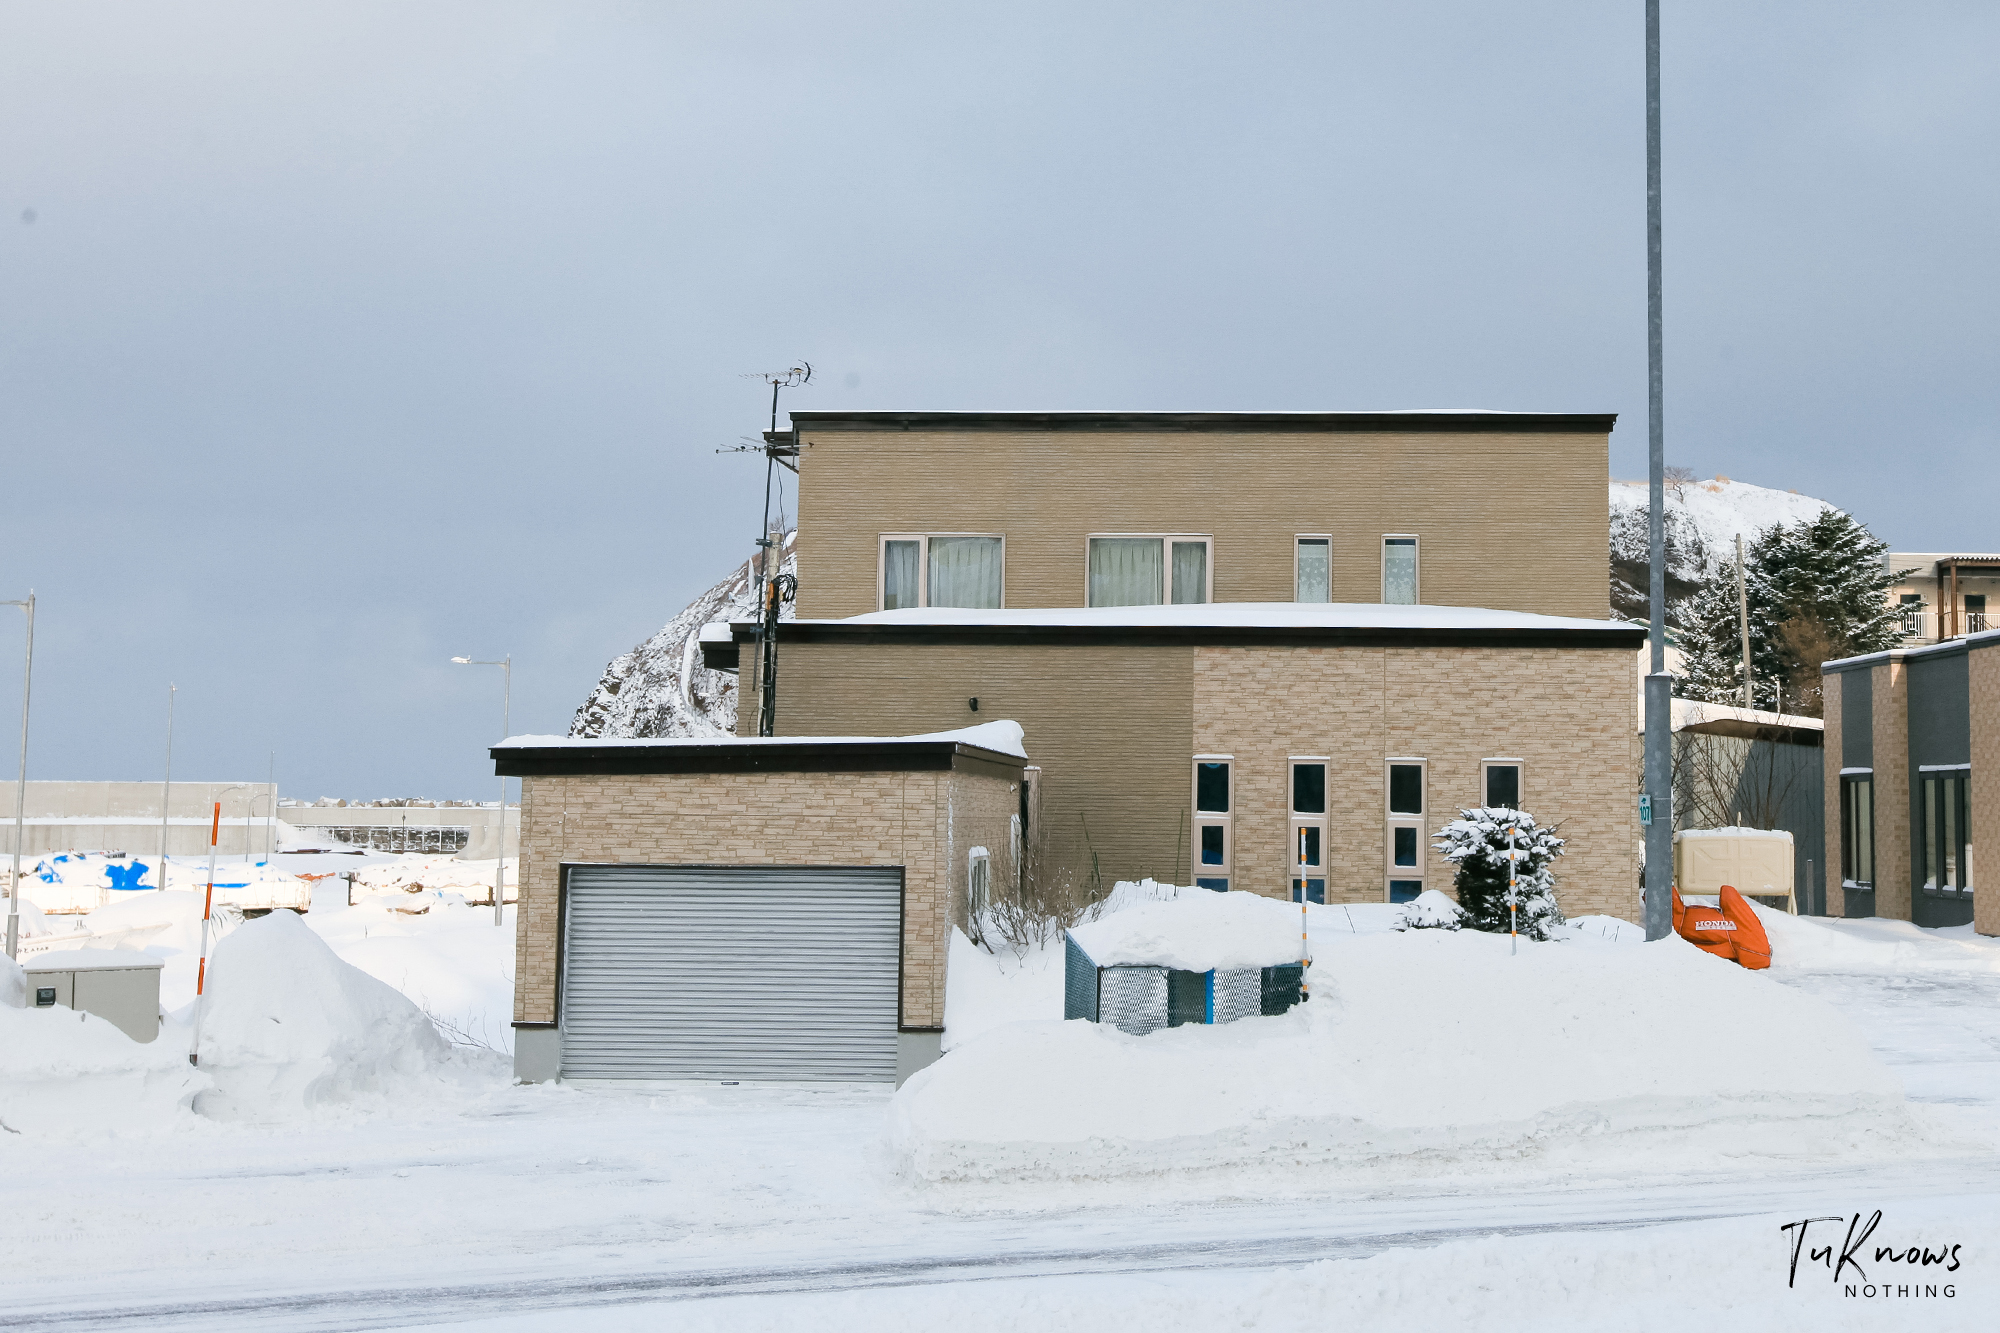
(62, 816)
(1909, 729)
(1944, 596)
(467, 829)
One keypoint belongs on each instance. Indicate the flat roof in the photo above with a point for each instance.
(993, 748)
(1423, 419)
(1985, 639)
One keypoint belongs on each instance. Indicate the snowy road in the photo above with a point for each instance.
(530, 1208)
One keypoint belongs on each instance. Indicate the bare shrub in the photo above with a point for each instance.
(1060, 885)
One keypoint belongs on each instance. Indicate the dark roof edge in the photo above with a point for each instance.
(887, 755)
(1202, 636)
(1375, 422)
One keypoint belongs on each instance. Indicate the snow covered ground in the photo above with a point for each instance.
(477, 1204)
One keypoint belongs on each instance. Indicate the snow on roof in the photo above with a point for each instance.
(715, 631)
(1197, 931)
(1001, 737)
(1691, 712)
(1239, 615)
(89, 960)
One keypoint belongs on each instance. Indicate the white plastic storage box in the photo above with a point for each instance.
(121, 986)
(1756, 862)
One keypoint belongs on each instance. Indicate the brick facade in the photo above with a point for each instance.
(1564, 714)
(1983, 677)
(1893, 850)
(924, 822)
(1831, 762)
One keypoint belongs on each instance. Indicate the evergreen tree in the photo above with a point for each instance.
(1818, 590)
(1477, 843)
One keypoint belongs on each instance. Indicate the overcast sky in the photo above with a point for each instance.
(337, 339)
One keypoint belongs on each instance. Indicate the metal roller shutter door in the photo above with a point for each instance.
(738, 972)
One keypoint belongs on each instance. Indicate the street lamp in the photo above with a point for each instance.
(21, 784)
(506, 665)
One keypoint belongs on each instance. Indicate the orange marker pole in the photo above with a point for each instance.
(207, 910)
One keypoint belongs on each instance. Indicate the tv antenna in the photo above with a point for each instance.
(791, 378)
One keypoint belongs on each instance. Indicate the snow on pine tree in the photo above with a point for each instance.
(1817, 589)
(1476, 842)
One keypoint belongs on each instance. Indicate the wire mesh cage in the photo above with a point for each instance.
(1142, 998)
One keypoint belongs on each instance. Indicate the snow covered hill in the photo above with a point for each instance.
(661, 688)
(1703, 520)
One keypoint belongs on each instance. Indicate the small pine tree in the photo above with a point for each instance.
(1477, 843)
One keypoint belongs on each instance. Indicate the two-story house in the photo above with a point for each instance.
(1269, 651)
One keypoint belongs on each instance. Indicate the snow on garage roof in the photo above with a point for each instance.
(1001, 737)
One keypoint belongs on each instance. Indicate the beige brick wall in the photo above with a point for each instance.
(1532, 504)
(923, 822)
(1566, 714)
(1983, 672)
(1830, 766)
(1891, 686)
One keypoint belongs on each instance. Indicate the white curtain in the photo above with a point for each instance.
(1190, 573)
(1315, 570)
(1125, 571)
(900, 588)
(1399, 571)
(965, 571)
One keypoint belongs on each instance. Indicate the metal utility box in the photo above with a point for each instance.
(1756, 862)
(120, 986)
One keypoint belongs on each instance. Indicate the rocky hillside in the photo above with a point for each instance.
(1703, 520)
(661, 688)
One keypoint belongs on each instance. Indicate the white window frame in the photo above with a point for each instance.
(923, 541)
(1199, 819)
(1520, 780)
(1417, 545)
(1298, 537)
(1295, 820)
(1393, 820)
(1166, 561)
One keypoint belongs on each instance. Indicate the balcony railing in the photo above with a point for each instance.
(1925, 624)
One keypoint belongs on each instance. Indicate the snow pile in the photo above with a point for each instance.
(1875, 944)
(1417, 1046)
(661, 688)
(413, 873)
(64, 1072)
(287, 1026)
(451, 961)
(1197, 932)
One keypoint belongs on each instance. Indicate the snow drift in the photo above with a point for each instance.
(65, 1073)
(1426, 1044)
(288, 1026)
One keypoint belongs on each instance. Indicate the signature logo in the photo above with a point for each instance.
(1846, 1255)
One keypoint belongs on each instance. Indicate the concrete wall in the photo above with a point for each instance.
(923, 822)
(1513, 521)
(65, 816)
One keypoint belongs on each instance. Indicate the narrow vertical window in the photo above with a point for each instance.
(1213, 832)
(902, 572)
(978, 881)
(1312, 569)
(1930, 833)
(1405, 831)
(1308, 830)
(1857, 830)
(1399, 571)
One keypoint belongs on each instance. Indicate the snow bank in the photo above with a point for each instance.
(287, 1026)
(1196, 932)
(1874, 944)
(64, 1073)
(451, 961)
(1430, 1044)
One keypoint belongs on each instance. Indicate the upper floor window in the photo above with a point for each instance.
(1312, 569)
(1149, 570)
(1399, 570)
(943, 569)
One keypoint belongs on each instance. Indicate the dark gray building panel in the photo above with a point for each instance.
(1940, 710)
(1857, 719)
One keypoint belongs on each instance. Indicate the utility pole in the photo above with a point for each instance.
(773, 587)
(167, 788)
(1659, 685)
(1743, 621)
(21, 786)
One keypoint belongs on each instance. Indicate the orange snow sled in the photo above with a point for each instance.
(1731, 930)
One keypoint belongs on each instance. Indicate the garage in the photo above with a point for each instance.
(751, 909)
(785, 973)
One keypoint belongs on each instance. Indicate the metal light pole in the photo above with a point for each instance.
(1658, 820)
(21, 785)
(506, 665)
(167, 789)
